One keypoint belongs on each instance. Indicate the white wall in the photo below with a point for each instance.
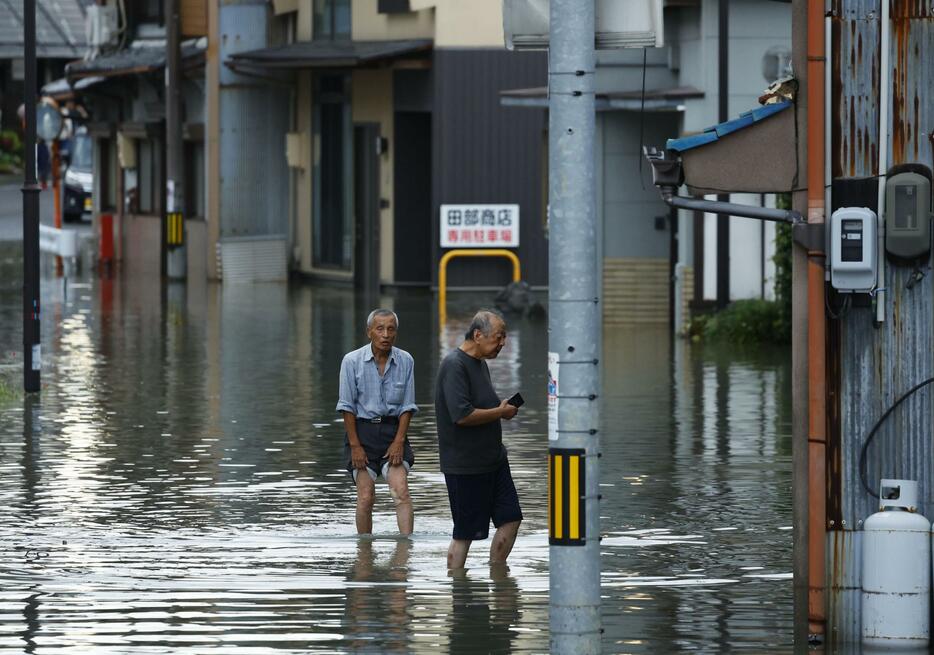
(752, 271)
(755, 26)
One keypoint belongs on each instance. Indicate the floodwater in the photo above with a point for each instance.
(178, 486)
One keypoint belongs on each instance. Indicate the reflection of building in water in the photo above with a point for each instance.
(696, 441)
(377, 615)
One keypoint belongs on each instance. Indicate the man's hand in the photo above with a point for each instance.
(358, 457)
(508, 410)
(394, 452)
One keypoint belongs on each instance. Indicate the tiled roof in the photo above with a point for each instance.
(715, 132)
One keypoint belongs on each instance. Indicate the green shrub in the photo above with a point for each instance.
(11, 152)
(11, 143)
(743, 322)
(782, 259)
(8, 392)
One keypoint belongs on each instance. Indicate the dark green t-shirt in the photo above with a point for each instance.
(464, 385)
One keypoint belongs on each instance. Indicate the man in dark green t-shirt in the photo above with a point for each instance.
(470, 443)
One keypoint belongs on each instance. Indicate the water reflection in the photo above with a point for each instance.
(484, 612)
(182, 477)
(377, 617)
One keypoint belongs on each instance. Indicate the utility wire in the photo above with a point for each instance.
(642, 119)
(863, 474)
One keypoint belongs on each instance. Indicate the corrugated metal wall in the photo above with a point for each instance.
(254, 118)
(486, 153)
(877, 365)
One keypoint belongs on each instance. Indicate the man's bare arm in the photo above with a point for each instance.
(484, 416)
(357, 454)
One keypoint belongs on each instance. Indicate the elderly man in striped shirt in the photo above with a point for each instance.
(377, 400)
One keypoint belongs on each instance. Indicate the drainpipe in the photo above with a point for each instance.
(817, 332)
(883, 156)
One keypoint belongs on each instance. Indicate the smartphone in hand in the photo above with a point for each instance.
(517, 400)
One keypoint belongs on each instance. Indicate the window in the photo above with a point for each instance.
(332, 19)
(107, 185)
(149, 176)
(393, 6)
(332, 228)
(194, 179)
(82, 154)
(148, 11)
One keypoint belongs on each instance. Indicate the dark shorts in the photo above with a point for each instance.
(478, 498)
(376, 439)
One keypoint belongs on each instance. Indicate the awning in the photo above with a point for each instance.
(329, 54)
(754, 153)
(135, 60)
(715, 132)
(655, 99)
(59, 29)
(63, 89)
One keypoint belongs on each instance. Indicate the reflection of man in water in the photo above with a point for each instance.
(377, 399)
(483, 613)
(377, 614)
(470, 444)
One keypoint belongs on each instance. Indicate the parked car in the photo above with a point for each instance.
(79, 177)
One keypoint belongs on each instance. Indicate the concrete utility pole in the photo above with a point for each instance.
(32, 359)
(174, 154)
(574, 333)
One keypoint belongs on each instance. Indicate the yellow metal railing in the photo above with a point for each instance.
(463, 252)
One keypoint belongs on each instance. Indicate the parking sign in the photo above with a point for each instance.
(479, 226)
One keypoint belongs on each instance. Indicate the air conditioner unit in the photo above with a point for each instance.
(619, 24)
(101, 25)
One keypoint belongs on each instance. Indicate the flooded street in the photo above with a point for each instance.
(179, 486)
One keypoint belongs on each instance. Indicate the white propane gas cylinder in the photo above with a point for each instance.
(897, 569)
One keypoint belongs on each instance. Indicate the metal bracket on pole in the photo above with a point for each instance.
(810, 236)
(668, 175)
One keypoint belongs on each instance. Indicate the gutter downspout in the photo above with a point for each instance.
(883, 156)
(817, 329)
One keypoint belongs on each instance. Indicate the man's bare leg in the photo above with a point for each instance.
(398, 479)
(366, 494)
(457, 553)
(503, 541)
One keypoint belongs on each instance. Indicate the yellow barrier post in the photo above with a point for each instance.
(464, 252)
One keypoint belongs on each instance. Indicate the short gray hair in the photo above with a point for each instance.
(483, 321)
(380, 312)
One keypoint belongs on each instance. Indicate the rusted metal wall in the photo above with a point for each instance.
(877, 364)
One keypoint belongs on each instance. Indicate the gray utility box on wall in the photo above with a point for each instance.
(853, 257)
(908, 215)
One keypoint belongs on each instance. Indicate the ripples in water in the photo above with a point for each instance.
(178, 487)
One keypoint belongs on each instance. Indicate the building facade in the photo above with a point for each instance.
(653, 257)
(393, 112)
(324, 136)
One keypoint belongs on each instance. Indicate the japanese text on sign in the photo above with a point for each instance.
(479, 226)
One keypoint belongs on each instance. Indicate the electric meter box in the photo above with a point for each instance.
(908, 215)
(853, 257)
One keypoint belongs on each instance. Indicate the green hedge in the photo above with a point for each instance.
(743, 322)
(11, 152)
(9, 392)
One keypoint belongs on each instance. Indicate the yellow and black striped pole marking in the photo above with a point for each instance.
(174, 229)
(566, 491)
